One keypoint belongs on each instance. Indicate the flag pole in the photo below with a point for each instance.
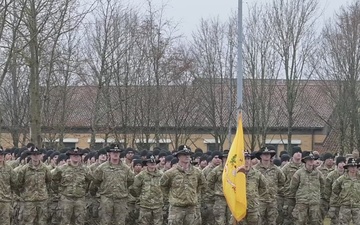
(240, 60)
(239, 84)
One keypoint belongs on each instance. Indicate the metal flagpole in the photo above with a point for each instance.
(239, 84)
(240, 60)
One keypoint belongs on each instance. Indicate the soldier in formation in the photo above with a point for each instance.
(122, 186)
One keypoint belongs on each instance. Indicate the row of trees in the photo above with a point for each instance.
(47, 47)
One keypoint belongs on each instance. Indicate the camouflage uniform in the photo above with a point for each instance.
(347, 190)
(112, 182)
(8, 184)
(220, 209)
(207, 200)
(307, 186)
(332, 199)
(183, 188)
(268, 201)
(16, 203)
(54, 213)
(289, 170)
(34, 185)
(324, 207)
(147, 187)
(255, 185)
(72, 183)
(93, 202)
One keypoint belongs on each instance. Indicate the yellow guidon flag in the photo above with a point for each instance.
(234, 183)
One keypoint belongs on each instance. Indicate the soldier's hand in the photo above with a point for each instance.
(241, 169)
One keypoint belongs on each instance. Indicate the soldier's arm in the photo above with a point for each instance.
(88, 178)
(48, 179)
(262, 184)
(14, 181)
(328, 187)
(336, 187)
(97, 179)
(21, 177)
(294, 183)
(281, 181)
(202, 183)
(322, 185)
(130, 178)
(211, 180)
(135, 189)
(165, 183)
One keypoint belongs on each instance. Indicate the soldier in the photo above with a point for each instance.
(162, 162)
(129, 155)
(332, 200)
(220, 210)
(147, 187)
(93, 207)
(112, 180)
(167, 166)
(307, 184)
(133, 202)
(72, 182)
(208, 197)
(183, 183)
(347, 189)
(276, 179)
(8, 184)
(34, 183)
(289, 198)
(326, 167)
(255, 185)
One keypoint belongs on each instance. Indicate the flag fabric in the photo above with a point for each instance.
(234, 183)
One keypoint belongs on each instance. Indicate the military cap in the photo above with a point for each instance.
(174, 161)
(277, 162)
(162, 154)
(247, 154)
(34, 151)
(168, 158)
(327, 155)
(204, 158)
(151, 159)
(75, 151)
(156, 151)
(340, 159)
(102, 152)
(285, 158)
(308, 155)
(295, 149)
(183, 150)
(115, 149)
(54, 154)
(129, 150)
(137, 162)
(199, 150)
(351, 162)
(144, 152)
(62, 157)
(217, 153)
(225, 153)
(270, 149)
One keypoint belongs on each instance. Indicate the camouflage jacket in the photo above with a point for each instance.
(183, 187)
(34, 182)
(8, 183)
(307, 186)
(112, 181)
(329, 181)
(209, 193)
(71, 181)
(256, 184)
(289, 170)
(214, 180)
(147, 187)
(275, 178)
(325, 171)
(347, 190)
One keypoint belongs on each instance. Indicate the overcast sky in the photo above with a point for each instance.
(189, 12)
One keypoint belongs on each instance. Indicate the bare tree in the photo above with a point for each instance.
(293, 25)
(261, 69)
(340, 72)
(214, 51)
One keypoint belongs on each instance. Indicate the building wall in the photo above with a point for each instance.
(203, 141)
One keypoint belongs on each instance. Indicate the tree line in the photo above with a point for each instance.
(49, 47)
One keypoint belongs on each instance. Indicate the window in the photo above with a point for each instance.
(292, 145)
(164, 146)
(69, 144)
(211, 147)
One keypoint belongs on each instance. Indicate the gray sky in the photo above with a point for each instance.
(189, 12)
